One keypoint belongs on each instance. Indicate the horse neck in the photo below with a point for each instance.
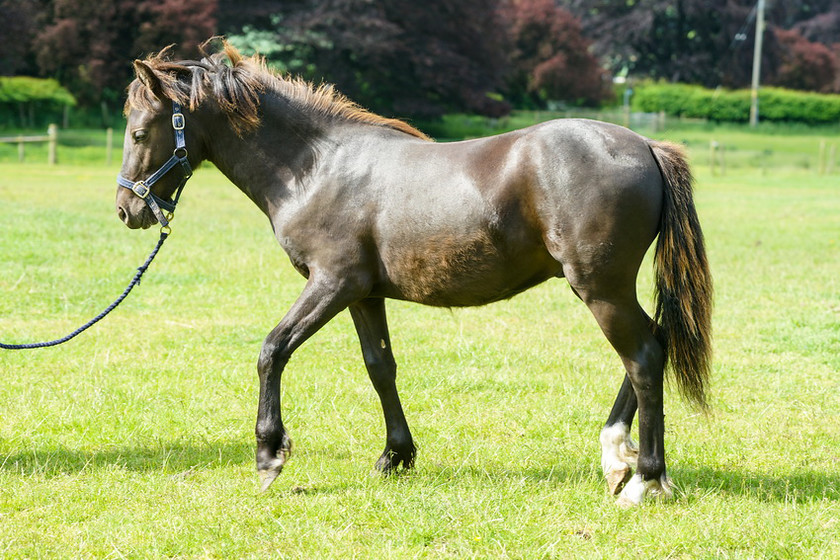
(265, 164)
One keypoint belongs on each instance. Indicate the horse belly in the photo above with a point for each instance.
(465, 270)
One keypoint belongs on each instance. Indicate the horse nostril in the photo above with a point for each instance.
(121, 213)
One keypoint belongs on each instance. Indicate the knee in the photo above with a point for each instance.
(272, 354)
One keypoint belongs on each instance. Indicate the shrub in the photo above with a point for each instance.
(23, 89)
(30, 102)
(775, 104)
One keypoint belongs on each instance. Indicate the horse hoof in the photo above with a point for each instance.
(386, 466)
(390, 461)
(267, 476)
(637, 489)
(618, 477)
(269, 469)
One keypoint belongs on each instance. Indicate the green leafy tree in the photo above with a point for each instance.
(25, 95)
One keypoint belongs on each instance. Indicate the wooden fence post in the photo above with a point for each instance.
(768, 158)
(821, 159)
(712, 155)
(109, 145)
(52, 132)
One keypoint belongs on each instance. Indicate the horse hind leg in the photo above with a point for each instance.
(619, 453)
(372, 328)
(626, 326)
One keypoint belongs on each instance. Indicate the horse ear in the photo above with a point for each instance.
(147, 77)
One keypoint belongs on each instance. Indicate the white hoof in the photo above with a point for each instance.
(619, 454)
(617, 477)
(636, 490)
(629, 451)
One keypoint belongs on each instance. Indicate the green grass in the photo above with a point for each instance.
(136, 439)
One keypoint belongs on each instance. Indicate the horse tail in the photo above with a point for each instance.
(683, 280)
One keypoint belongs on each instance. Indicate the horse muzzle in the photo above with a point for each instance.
(133, 212)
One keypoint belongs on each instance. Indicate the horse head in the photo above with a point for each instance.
(158, 151)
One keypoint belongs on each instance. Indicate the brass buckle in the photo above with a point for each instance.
(178, 121)
(140, 189)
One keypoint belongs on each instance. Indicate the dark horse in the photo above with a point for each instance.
(368, 208)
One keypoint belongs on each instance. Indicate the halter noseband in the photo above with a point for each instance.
(143, 188)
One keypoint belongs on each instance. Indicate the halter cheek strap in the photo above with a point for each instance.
(143, 188)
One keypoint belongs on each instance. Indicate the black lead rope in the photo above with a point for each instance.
(134, 282)
(155, 203)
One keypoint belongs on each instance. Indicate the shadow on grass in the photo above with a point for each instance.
(801, 486)
(170, 458)
(179, 457)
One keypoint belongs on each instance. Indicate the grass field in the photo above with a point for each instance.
(136, 439)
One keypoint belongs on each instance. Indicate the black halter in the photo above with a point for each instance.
(143, 188)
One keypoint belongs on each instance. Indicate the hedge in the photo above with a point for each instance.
(23, 89)
(775, 104)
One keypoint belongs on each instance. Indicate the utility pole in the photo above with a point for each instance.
(756, 70)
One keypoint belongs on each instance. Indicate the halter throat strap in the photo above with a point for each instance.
(143, 188)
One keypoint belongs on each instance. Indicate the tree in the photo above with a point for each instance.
(708, 42)
(677, 40)
(400, 57)
(187, 24)
(17, 26)
(259, 15)
(550, 58)
(804, 65)
(26, 93)
(89, 46)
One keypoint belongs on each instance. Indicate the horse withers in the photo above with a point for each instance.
(368, 208)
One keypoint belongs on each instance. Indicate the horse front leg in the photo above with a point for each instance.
(372, 327)
(319, 302)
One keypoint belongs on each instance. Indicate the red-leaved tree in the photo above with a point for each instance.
(400, 57)
(89, 46)
(551, 59)
(804, 65)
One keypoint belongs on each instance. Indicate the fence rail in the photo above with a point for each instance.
(51, 138)
(69, 141)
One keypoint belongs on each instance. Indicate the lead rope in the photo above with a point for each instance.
(155, 203)
(164, 233)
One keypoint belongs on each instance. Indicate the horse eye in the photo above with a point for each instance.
(140, 135)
